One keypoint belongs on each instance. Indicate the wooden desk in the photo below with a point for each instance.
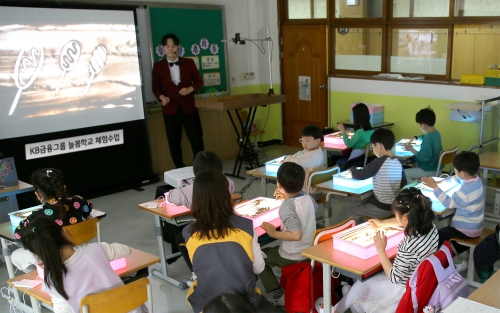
(490, 161)
(238, 102)
(136, 261)
(11, 193)
(261, 173)
(488, 293)
(344, 263)
(172, 216)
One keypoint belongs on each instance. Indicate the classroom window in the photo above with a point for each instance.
(307, 9)
(419, 51)
(358, 49)
(475, 49)
(358, 8)
(477, 8)
(421, 8)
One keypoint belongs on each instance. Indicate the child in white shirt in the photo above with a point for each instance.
(311, 158)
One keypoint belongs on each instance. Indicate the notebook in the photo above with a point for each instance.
(8, 173)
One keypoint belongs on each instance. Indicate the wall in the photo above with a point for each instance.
(249, 18)
(402, 100)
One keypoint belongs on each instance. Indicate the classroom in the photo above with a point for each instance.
(254, 84)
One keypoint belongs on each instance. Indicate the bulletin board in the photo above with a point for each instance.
(200, 31)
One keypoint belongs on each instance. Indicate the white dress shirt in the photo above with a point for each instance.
(175, 72)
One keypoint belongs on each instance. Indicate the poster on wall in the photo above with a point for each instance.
(305, 88)
(211, 79)
(196, 61)
(210, 62)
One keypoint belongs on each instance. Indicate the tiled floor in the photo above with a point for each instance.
(127, 224)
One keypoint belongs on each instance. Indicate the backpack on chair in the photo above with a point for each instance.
(450, 284)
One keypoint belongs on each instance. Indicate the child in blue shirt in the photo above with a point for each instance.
(468, 202)
(431, 147)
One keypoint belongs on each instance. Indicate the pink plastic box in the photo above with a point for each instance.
(358, 241)
(372, 107)
(250, 210)
(118, 264)
(335, 138)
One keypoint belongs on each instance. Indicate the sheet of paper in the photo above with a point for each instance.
(27, 283)
(462, 305)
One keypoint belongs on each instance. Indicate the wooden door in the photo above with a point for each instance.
(304, 54)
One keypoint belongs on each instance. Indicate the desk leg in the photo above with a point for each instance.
(327, 286)
(98, 231)
(9, 265)
(263, 182)
(163, 259)
(35, 304)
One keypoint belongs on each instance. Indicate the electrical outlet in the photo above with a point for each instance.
(248, 76)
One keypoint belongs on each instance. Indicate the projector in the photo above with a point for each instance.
(179, 177)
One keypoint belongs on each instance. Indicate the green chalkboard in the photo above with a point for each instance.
(200, 32)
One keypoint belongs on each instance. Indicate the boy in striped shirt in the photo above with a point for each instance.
(468, 202)
(388, 177)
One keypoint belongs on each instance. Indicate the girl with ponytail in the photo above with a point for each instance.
(383, 292)
(50, 190)
(71, 273)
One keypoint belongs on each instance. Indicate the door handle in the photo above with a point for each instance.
(321, 86)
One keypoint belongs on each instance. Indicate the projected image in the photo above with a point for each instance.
(64, 69)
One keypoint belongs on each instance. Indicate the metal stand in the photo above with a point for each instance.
(246, 150)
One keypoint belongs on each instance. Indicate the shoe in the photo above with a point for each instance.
(278, 298)
(345, 289)
(191, 280)
(462, 266)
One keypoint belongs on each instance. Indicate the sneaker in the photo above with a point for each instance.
(345, 289)
(462, 266)
(191, 280)
(278, 297)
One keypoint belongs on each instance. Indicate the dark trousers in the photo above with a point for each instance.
(181, 243)
(486, 253)
(448, 232)
(192, 125)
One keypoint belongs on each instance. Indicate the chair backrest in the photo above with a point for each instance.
(119, 300)
(82, 232)
(368, 153)
(326, 233)
(446, 157)
(319, 177)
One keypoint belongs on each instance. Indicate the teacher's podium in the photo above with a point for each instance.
(246, 151)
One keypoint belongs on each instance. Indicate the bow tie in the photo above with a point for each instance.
(173, 63)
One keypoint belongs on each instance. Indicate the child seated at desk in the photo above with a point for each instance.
(297, 214)
(71, 273)
(388, 177)
(358, 141)
(204, 160)
(50, 190)
(222, 246)
(311, 158)
(431, 147)
(383, 292)
(468, 202)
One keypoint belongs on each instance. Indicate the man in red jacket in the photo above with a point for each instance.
(175, 80)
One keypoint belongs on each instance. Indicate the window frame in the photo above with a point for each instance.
(387, 23)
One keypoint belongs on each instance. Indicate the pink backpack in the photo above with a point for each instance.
(451, 284)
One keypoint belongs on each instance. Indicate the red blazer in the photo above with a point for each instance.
(163, 85)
